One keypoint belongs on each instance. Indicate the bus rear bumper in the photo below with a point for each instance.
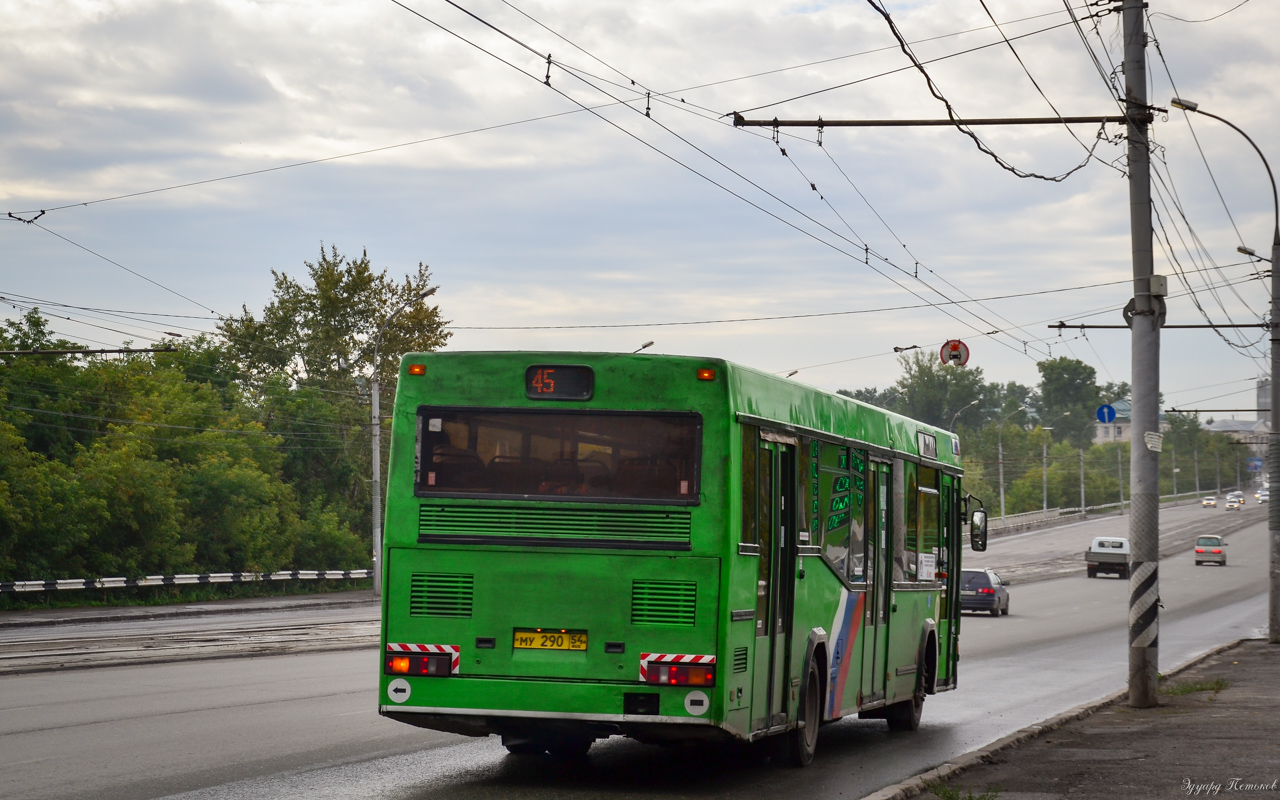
(484, 722)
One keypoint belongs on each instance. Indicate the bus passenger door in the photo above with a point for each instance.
(875, 641)
(949, 576)
(775, 586)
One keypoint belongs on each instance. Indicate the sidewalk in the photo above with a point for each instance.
(72, 616)
(1216, 732)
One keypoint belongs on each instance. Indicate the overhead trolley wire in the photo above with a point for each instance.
(867, 251)
(691, 169)
(955, 118)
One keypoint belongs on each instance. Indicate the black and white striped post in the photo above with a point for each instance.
(1145, 317)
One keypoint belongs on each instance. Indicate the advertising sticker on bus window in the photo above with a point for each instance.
(927, 567)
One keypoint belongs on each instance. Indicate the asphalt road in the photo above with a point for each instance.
(303, 725)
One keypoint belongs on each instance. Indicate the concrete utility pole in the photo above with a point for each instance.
(1144, 455)
(375, 434)
(1173, 454)
(1000, 453)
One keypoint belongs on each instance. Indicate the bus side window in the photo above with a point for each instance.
(750, 482)
(858, 503)
(911, 546)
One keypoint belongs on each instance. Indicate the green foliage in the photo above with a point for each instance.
(1069, 387)
(997, 435)
(945, 791)
(247, 450)
(1177, 688)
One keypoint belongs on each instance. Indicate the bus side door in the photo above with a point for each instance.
(775, 586)
(875, 640)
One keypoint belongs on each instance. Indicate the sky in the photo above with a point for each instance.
(544, 210)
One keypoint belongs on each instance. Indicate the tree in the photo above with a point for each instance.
(322, 333)
(934, 393)
(1068, 385)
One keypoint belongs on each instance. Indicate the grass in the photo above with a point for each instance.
(945, 791)
(1179, 688)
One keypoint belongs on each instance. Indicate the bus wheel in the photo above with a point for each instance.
(905, 716)
(524, 745)
(802, 742)
(570, 748)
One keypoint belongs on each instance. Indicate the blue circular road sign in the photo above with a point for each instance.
(1106, 414)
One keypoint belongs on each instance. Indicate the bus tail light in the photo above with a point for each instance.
(436, 665)
(705, 374)
(417, 369)
(682, 675)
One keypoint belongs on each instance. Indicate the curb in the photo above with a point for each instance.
(159, 613)
(915, 785)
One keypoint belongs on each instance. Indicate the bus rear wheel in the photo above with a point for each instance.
(802, 742)
(905, 716)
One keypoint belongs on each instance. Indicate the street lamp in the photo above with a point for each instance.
(956, 415)
(376, 437)
(1000, 452)
(1044, 455)
(1273, 454)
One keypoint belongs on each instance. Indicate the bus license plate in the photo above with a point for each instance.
(543, 639)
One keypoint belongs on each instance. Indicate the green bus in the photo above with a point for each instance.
(581, 545)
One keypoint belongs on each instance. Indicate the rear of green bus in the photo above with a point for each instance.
(551, 562)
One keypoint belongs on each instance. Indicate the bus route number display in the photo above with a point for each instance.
(558, 382)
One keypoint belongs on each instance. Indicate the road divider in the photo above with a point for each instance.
(183, 580)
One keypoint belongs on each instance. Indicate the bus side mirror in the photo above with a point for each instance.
(978, 531)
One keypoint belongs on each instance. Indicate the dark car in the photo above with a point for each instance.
(983, 590)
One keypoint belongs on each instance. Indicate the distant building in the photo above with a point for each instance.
(1119, 431)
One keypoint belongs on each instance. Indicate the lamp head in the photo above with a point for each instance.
(425, 293)
(1247, 251)
(1185, 105)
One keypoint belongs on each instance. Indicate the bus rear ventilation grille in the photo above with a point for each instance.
(739, 659)
(670, 603)
(583, 527)
(440, 594)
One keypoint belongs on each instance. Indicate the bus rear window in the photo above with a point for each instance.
(646, 457)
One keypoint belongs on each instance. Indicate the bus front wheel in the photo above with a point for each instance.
(802, 742)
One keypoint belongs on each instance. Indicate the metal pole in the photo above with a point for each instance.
(1082, 506)
(1195, 458)
(1120, 474)
(1173, 454)
(1000, 450)
(1044, 472)
(1273, 450)
(1144, 463)
(375, 436)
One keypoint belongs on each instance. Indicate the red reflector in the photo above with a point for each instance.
(417, 369)
(706, 374)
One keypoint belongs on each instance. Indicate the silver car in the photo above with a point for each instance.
(1211, 550)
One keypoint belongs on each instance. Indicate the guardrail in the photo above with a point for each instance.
(183, 580)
